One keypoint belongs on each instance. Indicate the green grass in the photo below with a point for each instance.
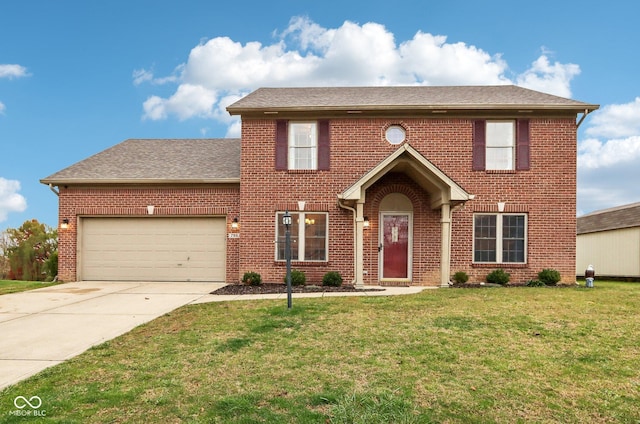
(548, 355)
(15, 286)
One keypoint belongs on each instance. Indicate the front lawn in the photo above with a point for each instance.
(553, 355)
(15, 286)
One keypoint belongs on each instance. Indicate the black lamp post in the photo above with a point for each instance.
(286, 220)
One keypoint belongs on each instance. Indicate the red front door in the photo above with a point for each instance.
(395, 246)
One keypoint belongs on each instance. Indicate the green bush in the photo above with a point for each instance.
(332, 278)
(498, 277)
(252, 278)
(535, 283)
(51, 266)
(460, 277)
(549, 276)
(297, 278)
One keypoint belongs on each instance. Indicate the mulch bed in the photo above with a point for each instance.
(510, 285)
(272, 288)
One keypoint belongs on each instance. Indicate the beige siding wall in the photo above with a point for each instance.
(613, 253)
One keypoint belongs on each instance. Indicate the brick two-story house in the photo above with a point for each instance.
(387, 185)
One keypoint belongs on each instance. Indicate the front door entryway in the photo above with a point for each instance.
(394, 245)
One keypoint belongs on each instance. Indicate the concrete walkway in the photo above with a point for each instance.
(44, 327)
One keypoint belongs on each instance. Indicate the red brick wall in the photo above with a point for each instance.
(547, 193)
(75, 202)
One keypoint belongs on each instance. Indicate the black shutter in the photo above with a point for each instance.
(324, 149)
(523, 156)
(282, 144)
(479, 145)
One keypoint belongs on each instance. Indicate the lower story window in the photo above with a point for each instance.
(308, 236)
(500, 238)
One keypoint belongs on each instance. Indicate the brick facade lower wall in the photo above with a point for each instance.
(77, 202)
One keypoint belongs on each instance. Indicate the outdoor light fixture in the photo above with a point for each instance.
(286, 221)
(366, 222)
(65, 224)
(234, 224)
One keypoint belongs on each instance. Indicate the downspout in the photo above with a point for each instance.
(56, 192)
(355, 242)
(586, 112)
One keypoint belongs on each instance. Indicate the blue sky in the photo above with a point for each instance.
(77, 77)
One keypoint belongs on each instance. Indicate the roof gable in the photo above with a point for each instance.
(157, 161)
(408, 160)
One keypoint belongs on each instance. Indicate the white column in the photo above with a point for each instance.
(445, 249)
(359, 245)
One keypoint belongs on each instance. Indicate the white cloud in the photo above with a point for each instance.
(306, 54)
(12, 71)
(143, 75)
(605, 187)
(223, 64)
(593, 153)
(608, 159)
(10, 200)
(550, 78)
(616, 120)
(187, 102)
(233, 131)
(430, 60)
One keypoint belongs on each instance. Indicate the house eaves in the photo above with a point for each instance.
(415, 99)
(124, 181)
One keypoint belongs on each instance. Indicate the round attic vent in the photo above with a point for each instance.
(395, 134)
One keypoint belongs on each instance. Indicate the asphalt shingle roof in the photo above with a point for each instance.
(157, 160)
(610, 219)
(398, 98)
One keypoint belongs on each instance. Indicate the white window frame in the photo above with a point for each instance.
(296, 133)
(500, 237)
(299, 219)
(500, 144)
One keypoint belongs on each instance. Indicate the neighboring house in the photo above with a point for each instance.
(387, 185)
(609, 240)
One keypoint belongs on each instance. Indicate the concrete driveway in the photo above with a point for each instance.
(43, 327)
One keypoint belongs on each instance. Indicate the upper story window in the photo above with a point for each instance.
(302, 145)
(501, 145)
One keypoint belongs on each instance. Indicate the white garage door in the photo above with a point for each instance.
(153, 249)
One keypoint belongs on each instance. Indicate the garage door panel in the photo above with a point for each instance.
(153, 249)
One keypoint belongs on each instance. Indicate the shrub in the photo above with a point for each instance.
(332, 278)
(51, 266)
(297, 278)
(460, 277)
(252, 278)
(535, 283)
(498, 277)
(549, 276)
